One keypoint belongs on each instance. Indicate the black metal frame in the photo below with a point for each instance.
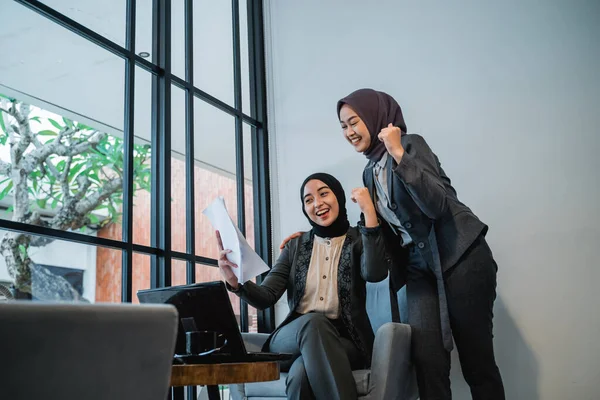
(162, 80)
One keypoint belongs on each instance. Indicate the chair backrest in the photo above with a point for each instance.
(86, 351)
(379, 306)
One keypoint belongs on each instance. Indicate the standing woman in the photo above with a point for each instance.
(324, 272)
(438, 246)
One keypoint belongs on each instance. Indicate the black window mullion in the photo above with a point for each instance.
(189, 143)
(213, 101)
(155, 161)
(239, 140)
(128, 141)
(260, 148)
(237, 63)
(190, 273)
(68, 236)
(259, 137)
(164, 140)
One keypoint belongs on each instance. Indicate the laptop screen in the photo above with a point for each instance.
(209, 306)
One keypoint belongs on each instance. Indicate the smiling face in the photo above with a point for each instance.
(354, 129)
(320, 204)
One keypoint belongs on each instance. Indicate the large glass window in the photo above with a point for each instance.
(119, 124)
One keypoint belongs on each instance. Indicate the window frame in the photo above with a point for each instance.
(162, 78)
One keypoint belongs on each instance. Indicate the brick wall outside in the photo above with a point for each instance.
(207, 186)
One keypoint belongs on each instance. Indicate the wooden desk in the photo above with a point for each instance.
(211, 375)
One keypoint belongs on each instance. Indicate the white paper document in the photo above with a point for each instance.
(249, 263)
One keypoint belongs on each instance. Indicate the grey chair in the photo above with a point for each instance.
(391, 376)
(86, 351)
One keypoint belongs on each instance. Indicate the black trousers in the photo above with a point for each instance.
(470, 292)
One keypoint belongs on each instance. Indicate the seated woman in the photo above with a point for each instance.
(324, 272)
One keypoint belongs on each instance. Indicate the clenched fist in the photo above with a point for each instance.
(362, 197)
(390, 136)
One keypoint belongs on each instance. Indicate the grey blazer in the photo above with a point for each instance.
(363, 259)
(426, 204)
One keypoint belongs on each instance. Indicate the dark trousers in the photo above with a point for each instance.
(323, 358)
(470, 292)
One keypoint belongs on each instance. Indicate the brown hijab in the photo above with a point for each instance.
(377, 110)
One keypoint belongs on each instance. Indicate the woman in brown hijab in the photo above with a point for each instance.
(437, 245)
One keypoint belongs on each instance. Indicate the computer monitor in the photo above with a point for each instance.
(209, 306)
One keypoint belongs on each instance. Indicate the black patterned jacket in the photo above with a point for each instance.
(363, 255)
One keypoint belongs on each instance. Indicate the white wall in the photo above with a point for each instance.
(507, 94)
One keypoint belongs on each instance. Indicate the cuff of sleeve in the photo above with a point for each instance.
(407, 168)
(369, 231)
(232, 290)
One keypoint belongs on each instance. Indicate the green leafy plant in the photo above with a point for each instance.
(60, 174)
